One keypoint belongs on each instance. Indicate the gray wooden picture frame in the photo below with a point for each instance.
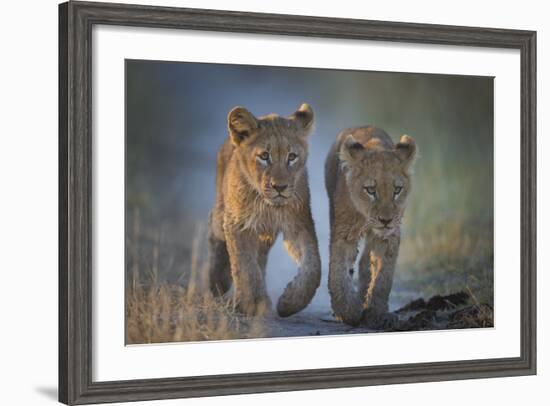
(76, 20)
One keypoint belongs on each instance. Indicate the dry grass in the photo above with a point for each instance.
(158, 311)
(168, 313)
(479, 315)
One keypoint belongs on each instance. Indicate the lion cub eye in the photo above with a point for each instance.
(397, 190)
(264, 156)
(371, 191)
(292, 157)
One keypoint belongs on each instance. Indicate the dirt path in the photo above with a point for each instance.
(439, 312)
(308, 323)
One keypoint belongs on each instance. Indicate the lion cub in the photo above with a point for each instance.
(368, 179)
(262, 190)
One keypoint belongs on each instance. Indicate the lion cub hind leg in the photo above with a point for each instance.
(219, 268)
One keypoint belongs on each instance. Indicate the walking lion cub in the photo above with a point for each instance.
(262, 190)
(368, 179)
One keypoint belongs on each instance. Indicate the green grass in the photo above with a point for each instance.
(444, 259)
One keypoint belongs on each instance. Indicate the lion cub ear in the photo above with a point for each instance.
(406, 150)
(351, 150)
(304, 118)
(241, 124)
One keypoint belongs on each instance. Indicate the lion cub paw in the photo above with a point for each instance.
(253, 308)
(380, 321)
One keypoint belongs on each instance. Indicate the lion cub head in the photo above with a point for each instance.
(378, 175)
(271, 151)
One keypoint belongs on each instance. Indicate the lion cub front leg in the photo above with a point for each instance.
(363, 272)
(344, 299)
(383, 258)
(301, 245)
(248, 277)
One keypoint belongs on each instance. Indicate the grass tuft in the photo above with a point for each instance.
(158, 311)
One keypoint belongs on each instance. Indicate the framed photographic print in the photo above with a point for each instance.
(257, 202)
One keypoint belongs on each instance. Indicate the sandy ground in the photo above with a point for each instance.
(307, 323)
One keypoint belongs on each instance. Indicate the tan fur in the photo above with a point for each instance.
(361, 161)
(256, 200)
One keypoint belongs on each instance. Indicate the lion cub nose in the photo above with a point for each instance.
(384, 221)
(278, 188)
